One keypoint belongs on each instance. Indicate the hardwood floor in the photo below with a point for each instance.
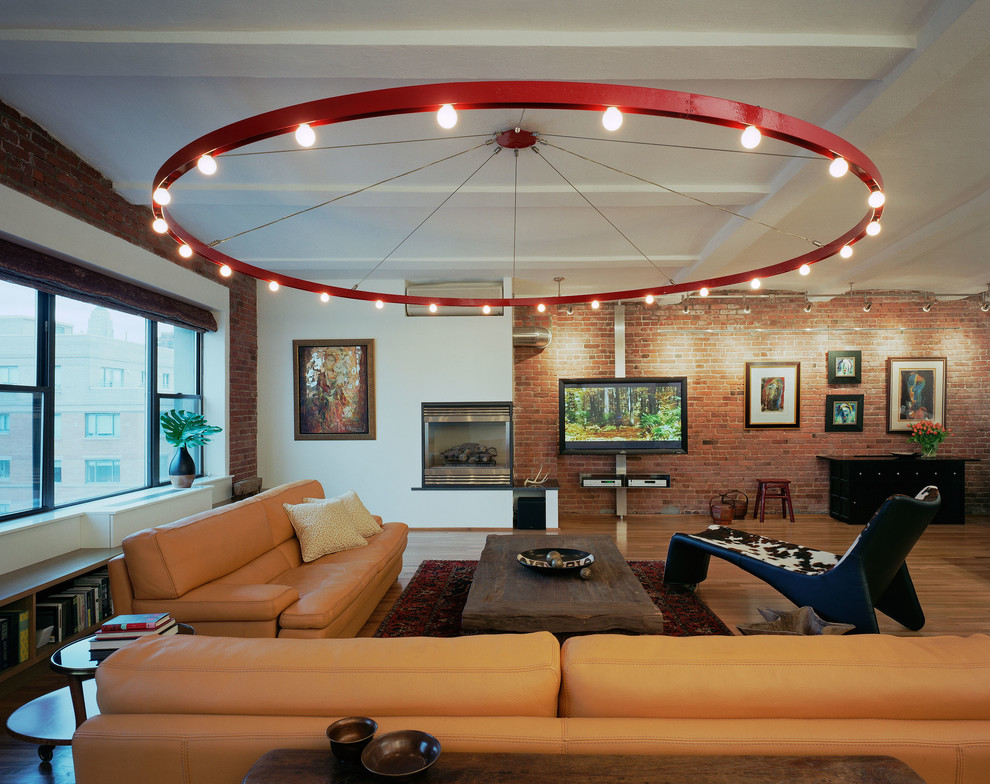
(950, 567)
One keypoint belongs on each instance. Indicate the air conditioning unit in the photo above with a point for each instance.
(482, 290)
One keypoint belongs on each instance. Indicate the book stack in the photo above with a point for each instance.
(123, 629)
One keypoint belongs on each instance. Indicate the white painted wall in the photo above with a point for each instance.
(422, 359)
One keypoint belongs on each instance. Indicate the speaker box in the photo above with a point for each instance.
(531, 513)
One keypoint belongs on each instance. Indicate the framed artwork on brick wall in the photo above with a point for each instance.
(334, 389)
(845, 367)
(915, 392)
(773, 394)
(843, 412)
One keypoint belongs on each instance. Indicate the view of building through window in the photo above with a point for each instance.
(101, 412)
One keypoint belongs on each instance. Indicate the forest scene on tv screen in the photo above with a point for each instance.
(649, 412)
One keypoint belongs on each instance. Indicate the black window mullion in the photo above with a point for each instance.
(44, 424)
(152, 479)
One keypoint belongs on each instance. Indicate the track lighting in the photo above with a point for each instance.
(807, 306)
(746, 307)
(985, 306)
(927, 306)
(684, 307)
(867, 306)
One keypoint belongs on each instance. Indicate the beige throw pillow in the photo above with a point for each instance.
(323, 528)
(362, 520)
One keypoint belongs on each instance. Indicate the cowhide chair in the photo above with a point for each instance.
(845, 589)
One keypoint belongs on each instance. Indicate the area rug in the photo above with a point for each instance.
(432, 603)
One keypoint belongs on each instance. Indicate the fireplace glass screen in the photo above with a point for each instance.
(467, 444)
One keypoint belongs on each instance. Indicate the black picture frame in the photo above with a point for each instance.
(844, 413)
(845, 367)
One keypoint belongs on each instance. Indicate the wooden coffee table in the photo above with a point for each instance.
(506, 596)
(305, 766)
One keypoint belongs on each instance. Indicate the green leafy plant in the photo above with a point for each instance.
(186, 428)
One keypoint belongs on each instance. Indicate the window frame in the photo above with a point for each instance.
(44, 391)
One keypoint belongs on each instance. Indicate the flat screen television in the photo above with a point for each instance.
(601, 416)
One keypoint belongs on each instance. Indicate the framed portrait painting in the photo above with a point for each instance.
(334, 389)
(773, 394)
(843, 412)
(915, 392)
(845, 367)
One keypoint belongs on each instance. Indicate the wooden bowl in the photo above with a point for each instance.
(348, 737)
(400, 755)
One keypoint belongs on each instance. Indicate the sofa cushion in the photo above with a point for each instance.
(362, 520)
(485, 675)
(323, 528)
(868, 676)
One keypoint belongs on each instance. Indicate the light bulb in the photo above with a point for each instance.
(541, 307)
(804, 269)
(160, 225)
(185, 251)
(846, 251)
(447, 116)
(703, 292)
(746, 307)
(379, 304)
(751, 137)
(985, 307)
(838, 167)
(486, 310)
(324, 297)
(433, 307)
(649, 299)
(612, 119)
(207, 164)
(162, 196)
(273, 285)
(305, 135)
(226, 271)
(807, 307)
(873, 228)
(754, 283)
(876, 199)
(867, 306)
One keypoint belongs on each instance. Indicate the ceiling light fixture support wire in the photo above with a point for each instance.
(570, 96)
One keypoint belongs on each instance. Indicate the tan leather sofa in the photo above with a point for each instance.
(197, 710)
(237, 571)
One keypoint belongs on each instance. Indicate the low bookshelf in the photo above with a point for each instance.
(23, 589)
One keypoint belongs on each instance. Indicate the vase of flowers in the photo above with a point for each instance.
(183, 429)
(928, 435)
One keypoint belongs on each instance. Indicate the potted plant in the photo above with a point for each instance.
(184, 429)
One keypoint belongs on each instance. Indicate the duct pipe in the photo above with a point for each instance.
(531, 336)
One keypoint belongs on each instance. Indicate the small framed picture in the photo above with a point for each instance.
(845, 367)
(915, 392)
(843, 412)
(773, 394)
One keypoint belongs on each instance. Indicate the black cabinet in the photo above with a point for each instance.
(858, 485)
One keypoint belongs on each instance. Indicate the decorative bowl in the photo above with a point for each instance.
(541, 559)
(348, 737)
(400, 755)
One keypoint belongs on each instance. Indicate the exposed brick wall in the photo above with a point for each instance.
(710, 346)
(34, 163)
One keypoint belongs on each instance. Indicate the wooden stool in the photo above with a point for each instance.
(773, 488)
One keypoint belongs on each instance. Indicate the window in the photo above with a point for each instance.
(77, 418)
(102, 425)
(102, 471)
(166, 384)
(4, 507)
(113, 377)
(4, 469)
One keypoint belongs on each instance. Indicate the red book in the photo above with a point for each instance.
(121, 623)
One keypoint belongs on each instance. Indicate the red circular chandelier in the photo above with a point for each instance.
(447, 99)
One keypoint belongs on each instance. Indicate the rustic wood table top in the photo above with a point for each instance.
(303, 766)
(506, 596)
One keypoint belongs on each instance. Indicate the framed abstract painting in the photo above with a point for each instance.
(334, 389)
(915, 392)
(843, 412)
(773, 394)
(845, 367)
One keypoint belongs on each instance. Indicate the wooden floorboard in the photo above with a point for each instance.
(950, 567)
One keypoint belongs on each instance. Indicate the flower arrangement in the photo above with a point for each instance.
(929, 435)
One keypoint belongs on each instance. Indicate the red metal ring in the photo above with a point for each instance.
(582, 96)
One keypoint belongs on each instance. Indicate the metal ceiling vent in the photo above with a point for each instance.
(482, 290)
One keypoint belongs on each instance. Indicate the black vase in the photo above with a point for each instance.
(182, 469)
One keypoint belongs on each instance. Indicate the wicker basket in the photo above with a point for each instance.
(721, 510)
(739, 500)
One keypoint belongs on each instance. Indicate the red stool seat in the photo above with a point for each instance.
(773, 488)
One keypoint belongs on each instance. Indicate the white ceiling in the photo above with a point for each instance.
(126, 85)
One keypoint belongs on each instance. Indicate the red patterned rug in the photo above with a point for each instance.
(431, 604)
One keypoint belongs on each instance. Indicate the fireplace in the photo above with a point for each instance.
(467, 444)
